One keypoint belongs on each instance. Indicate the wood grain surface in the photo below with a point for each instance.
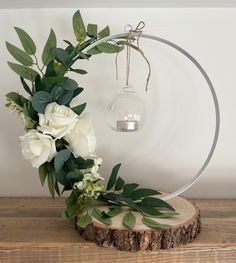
(182, 229)
(32, 230)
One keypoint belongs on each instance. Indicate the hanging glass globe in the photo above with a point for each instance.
(126, 112)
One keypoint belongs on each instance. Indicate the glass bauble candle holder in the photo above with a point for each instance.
(126, 112)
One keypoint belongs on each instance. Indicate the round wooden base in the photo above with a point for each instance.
(183, 229)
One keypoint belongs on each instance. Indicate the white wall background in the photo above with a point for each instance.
(180, 116)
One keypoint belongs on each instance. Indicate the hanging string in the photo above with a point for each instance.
(128, 43)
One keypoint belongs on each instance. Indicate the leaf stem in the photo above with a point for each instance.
(37, 65)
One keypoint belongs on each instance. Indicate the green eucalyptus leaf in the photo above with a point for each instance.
(17, 98)
(25, 110)
(20, 55)
(77, 92)
(105, 215)
(143, 192)
(109, 48)
(54, 80)
(67, 187)
(96, 213)
(40, 100)
(69, 84)
(129, 202)
(94, 51)
(71, 199)
(129, 188)
(57, 189)
(92, 30)
(105, 32)
(153, 224)
(84, 221)
(119, 184)
(83, 163)
(30, 112)
(26, 87)
(68, 42)
(148, 210)
(60, 159)
(83, 55)
(61, 95)
(73, 176)
(51, 183)
(49, 47)
(23, 71)
(79, 109)
(33, 114)
(70, 50)
(156, 202)
(129, 220)
(26, 41)
(114, 211)
(57, 92)
(50, 70)
(168, 214)
(78, 26)
(66, 97)
(73, 210)
(107, 197)
(79, 71)
(112, 179)
(39, 84)
(61, 56)
(43, 173)
(62, 179)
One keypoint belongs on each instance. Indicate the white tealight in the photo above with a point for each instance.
(127, 125)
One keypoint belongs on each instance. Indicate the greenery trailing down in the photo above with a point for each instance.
(61, 164)
(120, 196)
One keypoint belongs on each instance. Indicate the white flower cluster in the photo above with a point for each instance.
(89, 185)
(58, 122)
(14, 108)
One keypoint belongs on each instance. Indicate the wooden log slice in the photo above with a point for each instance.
(184, 228)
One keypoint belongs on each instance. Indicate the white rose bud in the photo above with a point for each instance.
(81, 139)
(57, 120)
(37, 147)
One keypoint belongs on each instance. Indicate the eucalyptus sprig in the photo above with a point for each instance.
(141, 200)
(119, 195)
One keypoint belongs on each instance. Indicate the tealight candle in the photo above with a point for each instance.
(127, 125)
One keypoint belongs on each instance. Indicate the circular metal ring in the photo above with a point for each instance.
(214, 97)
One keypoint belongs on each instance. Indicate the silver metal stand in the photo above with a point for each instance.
(214, 97)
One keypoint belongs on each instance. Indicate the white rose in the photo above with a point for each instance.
(81, 139)
(37, 147)
(57, 120)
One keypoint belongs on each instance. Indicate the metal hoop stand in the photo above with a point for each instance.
(214, 97)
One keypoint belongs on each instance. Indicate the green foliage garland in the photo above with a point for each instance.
(48, 86)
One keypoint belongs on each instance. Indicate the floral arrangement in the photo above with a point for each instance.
(59, 139)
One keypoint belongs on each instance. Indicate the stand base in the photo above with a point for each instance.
(184, 228)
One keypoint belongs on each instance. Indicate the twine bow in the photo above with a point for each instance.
(128, 43)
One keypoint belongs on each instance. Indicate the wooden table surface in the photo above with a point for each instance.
(32, 230)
